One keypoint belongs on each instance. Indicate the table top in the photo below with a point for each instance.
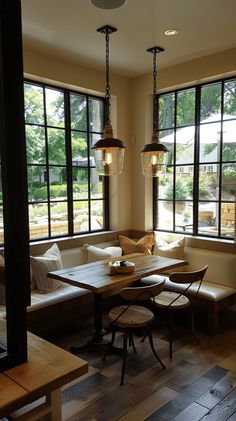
(48, 368)
(97, 278)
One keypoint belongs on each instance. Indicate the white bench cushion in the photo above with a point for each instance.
(208, 290)
(63, 293)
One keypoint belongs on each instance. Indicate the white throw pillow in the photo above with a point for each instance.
(94, 254)
(173, 250)
(41, 265)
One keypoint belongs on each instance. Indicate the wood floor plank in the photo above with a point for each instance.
(225, 409)
(193, 412)
(218, 391)
(145, 408)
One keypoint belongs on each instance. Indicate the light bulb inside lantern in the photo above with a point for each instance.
(107, 162)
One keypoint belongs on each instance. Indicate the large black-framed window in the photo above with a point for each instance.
(197, 194)
(66, 195)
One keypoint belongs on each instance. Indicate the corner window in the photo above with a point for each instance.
(197, 194)
(66, 195)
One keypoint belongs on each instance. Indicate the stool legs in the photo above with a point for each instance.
(153, 349)
(125, 340)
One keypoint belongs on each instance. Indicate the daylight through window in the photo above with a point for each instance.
(66, 195)
(197, 194)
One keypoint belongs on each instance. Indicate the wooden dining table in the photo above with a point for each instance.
(96, 277)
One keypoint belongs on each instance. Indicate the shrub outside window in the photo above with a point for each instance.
(197, 194)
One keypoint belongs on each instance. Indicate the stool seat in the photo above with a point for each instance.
(134, 316)
(172, 300)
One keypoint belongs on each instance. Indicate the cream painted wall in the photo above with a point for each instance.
(185, 74)
(42, 67)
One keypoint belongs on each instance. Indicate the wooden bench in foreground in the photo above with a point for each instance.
(48, 368)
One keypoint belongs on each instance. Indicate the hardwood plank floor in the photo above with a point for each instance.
(199, 383)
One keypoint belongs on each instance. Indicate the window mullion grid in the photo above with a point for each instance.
(196, 167)
(174, 167)
(47, 161)
(221, 157)
(69, 169)
(88, 158)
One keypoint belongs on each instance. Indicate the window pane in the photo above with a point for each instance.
(184, 183)
(33, 98)
(184, 216)
(229, 141)
(209, 182)
(230, 99)
(165, 215)
(55, 107)
(185, 145)
(38, 218)
(79, 149)
(186, 107)
(35, 144)
(208, 218)
(59, 218)
(227, 219)
(228, 182)
(165, 185)
(166, 111)
(81, 216)
(210, 142)
(96, 184)
(80, 183)
(210, 100)
(96, 115)
(37, 184)
(58, 184)
(97, 213)
(167, 138)
(78, 112)
(56, 146)
(92, 140)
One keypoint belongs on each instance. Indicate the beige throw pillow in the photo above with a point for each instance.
(94, 254)
(41, 265)
(142, 245)
(173, 250)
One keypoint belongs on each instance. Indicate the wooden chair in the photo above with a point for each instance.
(131, 317)
(173, 301)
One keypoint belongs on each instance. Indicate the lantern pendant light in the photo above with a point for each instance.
(108, 151)
(154, 154)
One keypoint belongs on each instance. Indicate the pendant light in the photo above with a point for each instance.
(154, 154)
(108, 151)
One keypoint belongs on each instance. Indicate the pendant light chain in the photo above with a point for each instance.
(107, 95)
(108, 151)
(154, 91)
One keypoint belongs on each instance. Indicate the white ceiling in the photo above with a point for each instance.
(67, 28)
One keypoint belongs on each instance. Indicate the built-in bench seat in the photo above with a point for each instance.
(218, 290)
(68, 303)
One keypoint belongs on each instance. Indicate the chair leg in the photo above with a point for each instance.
(153, 349)
(109, 346)
(125, 340)
(144, 337)
(131, 341)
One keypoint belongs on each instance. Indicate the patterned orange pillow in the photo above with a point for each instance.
(143, 245)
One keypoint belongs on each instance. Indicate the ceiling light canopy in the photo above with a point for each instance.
(154, 154)
(108, 151)
(171, 32)
(108, 4)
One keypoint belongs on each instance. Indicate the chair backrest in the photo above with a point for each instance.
(142, 293)
(188, 277)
